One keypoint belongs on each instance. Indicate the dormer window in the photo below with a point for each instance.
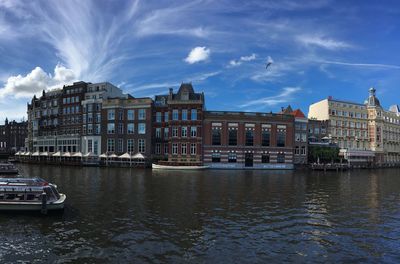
(185, 96)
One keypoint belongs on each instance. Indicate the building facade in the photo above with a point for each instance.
(178, 125)
(127, 126)
(12, 136)
(236, 140)
(365, 132)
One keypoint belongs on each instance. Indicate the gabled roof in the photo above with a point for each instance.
(298, 113)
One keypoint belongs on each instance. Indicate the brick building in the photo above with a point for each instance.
(248, 140)
(178, 126)
(12, 136)
(126, 126)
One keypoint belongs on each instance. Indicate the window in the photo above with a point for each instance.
(166, 132)
(175, 114)
(130, 143)
(130, 128)
(216, 157)
(174, 132)
(142, 114)
(166, 114)
(297, 150)
(158, 117)
(98, 118)
(184, 114)
(232, 157)
(193, 115)
(297, 137)
(97, 129)
(120, 115)
(110, 128)
(90, 145)
(184, 131)
(281, 158)
(131, 114)
(158, 132)
(193, 131)
(166, 149)
(111, 114)
(142, 146)
(266, 138)
(232, 134)
(120, 128)
(90, 129)
(216, 136)
(158, 148)
(264, 158)
(183, 149)
(303, 150)
(120, 147)
(174, 149)
(95, 147)
(281, 137)
(142, 128)
(110, 145)
(249, 137)
(193, 149)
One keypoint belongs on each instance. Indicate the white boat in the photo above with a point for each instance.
(29, 194)
(8, 168)
(170, 167)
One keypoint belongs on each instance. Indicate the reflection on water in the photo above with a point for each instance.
(121, 215)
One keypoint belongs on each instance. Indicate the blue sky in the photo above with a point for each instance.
(317, 48)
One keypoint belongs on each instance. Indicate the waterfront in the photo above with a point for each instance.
(136, 215)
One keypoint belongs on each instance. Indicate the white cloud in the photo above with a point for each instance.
(242, 59)
(36, 81)
(322, 42)
(283, 97)
(198, 54)
(368, 65)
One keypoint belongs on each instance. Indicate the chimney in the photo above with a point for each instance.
(170, 92)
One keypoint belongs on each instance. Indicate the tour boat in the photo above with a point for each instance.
(8, 168)
(171, 167)
(29, 194)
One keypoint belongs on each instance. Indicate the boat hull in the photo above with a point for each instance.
(33, 206)
(168, 167)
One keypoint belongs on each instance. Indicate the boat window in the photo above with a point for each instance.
(49, 193)
(10, 196)
(20, 196)
(30, 197)
(1, 196)
(55, 191)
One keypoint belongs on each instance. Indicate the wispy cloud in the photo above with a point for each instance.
(368, 65)
(283, 97)
(234, 63)
(322, 42)
(198, 54)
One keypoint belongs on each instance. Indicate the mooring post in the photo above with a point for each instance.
(44, 203)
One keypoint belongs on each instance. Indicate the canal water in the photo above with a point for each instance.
(119, 215)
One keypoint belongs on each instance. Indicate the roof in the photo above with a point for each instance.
(298, 113)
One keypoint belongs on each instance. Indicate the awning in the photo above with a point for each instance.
(44, 153)
(27, 153)
(17, 154)
(89, 154)
(67, 154)
(125, 156)
(36, 153)
(138, 156)
(104, 156)
(77, 154)
(57, 154)
(113, 156)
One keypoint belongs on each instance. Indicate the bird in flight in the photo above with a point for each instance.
(269, 62)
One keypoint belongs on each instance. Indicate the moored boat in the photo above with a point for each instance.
(29, 194)
(8, 168)
(171, 167)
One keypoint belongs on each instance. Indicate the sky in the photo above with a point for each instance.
(316, 49)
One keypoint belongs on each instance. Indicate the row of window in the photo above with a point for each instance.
(71, 100)
(71, 110)
(184, 149)
(300, 150)
(184, 132)
(130, 128)
(249, 137)
(130, 114)
(348, 124)
(335, 112)
(184, 113)
(91, 107)
(232, 158)
(130, 145)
